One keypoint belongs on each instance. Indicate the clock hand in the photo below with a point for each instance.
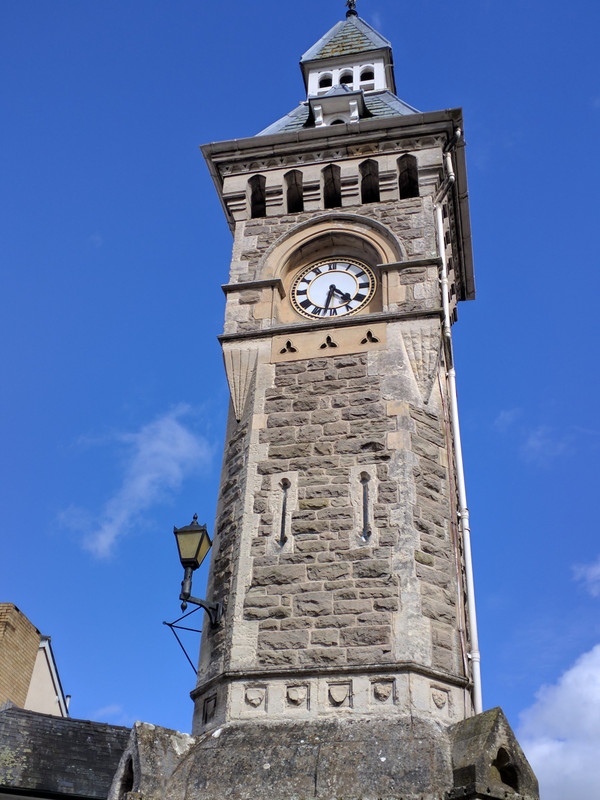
(345, 296)
(330, 293)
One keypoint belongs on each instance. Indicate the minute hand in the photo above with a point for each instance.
(330, 293)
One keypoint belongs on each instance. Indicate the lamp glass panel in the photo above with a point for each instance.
(187, 542)
(205, 545)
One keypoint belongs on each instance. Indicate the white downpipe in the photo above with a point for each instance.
(463, 510)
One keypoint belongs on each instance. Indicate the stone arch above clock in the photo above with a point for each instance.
(327, 235)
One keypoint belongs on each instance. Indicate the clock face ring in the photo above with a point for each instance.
(333, 288)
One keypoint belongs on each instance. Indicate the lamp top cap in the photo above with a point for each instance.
(193, 526)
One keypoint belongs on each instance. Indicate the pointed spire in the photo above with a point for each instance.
(351, 8)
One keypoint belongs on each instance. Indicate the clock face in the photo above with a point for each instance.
(333, 288)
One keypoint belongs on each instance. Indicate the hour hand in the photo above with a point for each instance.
(345, 296)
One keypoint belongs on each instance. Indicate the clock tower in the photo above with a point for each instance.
(339, 553)
(346, 662)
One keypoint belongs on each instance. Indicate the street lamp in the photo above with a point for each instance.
(193, 543)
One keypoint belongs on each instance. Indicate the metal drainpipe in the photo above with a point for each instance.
(463, 510)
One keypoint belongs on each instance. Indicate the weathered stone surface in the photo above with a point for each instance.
(401, 759)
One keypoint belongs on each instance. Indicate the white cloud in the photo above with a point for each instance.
(158, 458)
(113, 714)
(589, 575)
(543, 445)
(560, 732)
(506, 418)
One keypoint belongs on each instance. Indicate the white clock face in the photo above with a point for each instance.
(333, 288)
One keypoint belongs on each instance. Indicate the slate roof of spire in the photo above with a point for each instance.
(350, 35)
(379, 104)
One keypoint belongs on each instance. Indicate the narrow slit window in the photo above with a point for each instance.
(408, 177)
(293, 192)
(369, 181)
(258, 199)
(366, 530)
(285, 488)
(332, 186)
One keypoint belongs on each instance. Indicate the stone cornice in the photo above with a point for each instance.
(382, 316)
(249, 285)
(293, 673)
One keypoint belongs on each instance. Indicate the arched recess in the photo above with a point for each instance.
(330, 236)
(504, 770)
(369, 181)
(257, 196)
(408, 177)
(332, 185)
(379, 240)
(127, 779)
(294, 192)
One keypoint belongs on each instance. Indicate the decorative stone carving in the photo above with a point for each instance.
(383, 690)
(240, 365)
(340, 694)
(422, 349)
(439, 697)
(255, 696)
(297, 696)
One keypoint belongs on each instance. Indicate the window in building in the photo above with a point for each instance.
(346, 77)
(293, 192)
(408, 177)
(332, 186)
(369, 181)
(337, 122)
(367, 74)
(258, 203)
(325, 81)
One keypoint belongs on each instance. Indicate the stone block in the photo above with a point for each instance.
(352, 606)
(313, 604)
(283, 640)
(279, 575)
(329, 572)
(365, 636)
(375, 568)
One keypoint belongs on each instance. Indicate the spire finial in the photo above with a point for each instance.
(351, 8)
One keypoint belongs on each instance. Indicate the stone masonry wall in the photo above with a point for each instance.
(327, 597)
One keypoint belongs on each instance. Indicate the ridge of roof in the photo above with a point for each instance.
(350, 35)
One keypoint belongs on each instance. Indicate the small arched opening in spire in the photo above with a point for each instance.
(294, 192)
(332, 186)
(347, 77)
(325, 81)
(408, 177)
(503, 768)
(257, 196)
(369, 181)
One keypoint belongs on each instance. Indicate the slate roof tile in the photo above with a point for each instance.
(351, 35)
(49, 755)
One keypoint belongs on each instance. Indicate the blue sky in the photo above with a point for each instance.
(113, 249)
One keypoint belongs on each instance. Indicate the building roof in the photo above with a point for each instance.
(48, 756)
(351, 35)
(379, 104)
